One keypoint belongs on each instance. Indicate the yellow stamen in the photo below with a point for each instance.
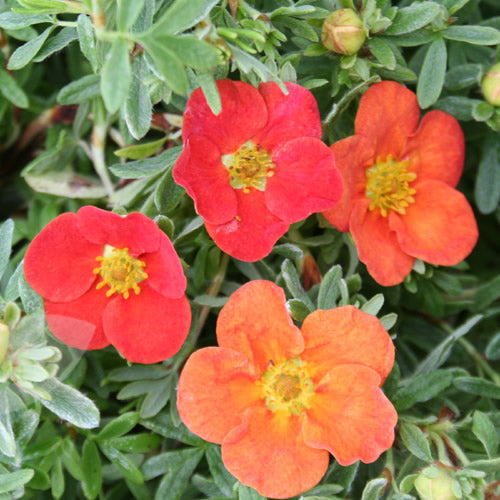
(388, 185)
(287, 386)
(120, 271)
(249, 167)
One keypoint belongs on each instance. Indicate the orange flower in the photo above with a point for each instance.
(280, 399)
(399, 201)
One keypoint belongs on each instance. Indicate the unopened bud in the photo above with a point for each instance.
(343, 32)
(4, 340)
(491, 85)
(435, 483)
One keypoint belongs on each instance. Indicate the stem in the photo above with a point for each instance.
(457, 450)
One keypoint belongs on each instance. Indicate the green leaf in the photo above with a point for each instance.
(91, 470)
(210, 300)
(127, 13)
(56, 43)
(207, 83)
(485, 431)
(373, 305)
(157, 397)
(374, 489)
(431, 78)
(247, 493)
(11, 90)
(412, 18)
(298, 309)
(140, 151)
(57, 484)
(416, 442)
(45, 6)
(116, 75)
(7, 441)
(183, 14)
(329, 288)
(138, 443)
(71, 459)
(138, 112)
(69, 404)
(124, 464)
(6, 232)
(14, 21)
(163, 425)
(119, 426)
(487, 188)
(463, 76)
(382, 52)
(86, 39)
(32, 302)
(222, 477)
(25, 53)
(168, 194)
(148, 166)
(78, 91)
(492, 350)
(478, 386)
(292, 281)
(10, 481)
(482, 111)
(476, 35)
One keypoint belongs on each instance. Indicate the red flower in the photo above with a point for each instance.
(280, 399)
(399, 201)
(110, 279)
(256, 167)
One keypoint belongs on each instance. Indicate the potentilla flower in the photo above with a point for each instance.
(399, 201)
(280, 399)
(256, 167)
(107, 279)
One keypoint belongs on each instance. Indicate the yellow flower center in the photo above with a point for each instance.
(388, 185)
(287, 386)
(120, 271)
(249, 167)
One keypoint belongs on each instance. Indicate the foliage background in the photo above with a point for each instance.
(91, 100)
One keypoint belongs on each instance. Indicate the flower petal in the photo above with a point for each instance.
(59, 261)
(350, 416)
(353, 156)
(215, 387)
(164, 269)
(251, 235)
(136, 232)
(378, 246)
(290, 116)
(305, 180)
(255, 322)
(439, 227)
(243, 113)
(388, 113)
(343, 336)
(78, 323)
(268, 453)
(200, 170)
(437, 149)
(147, 328)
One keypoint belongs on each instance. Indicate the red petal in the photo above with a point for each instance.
(439, 227)
(200, 170)
(343, 336)
(243, 114)
(136, 232)
(353, 156)
(350, 416)
(256, 323)
(147, 328)
(268, 453)
(437, 149)
(79, 323)
(378, 246)
(305, 180)
(252, 235)
(388, 113)
(290, 116)
(215, 387)
(164, 269)
(59, 261)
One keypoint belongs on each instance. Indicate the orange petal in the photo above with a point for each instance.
(342, 336)
(350, 415)
(439, 227)
(388, 113)
(215, 387)
(268, 453)
(256, 323)
(378, 246)
(353, 156)
(437, 149)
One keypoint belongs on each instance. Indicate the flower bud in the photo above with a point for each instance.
(435, 483)
(343, 32)
(4, 340)
(491, 85)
